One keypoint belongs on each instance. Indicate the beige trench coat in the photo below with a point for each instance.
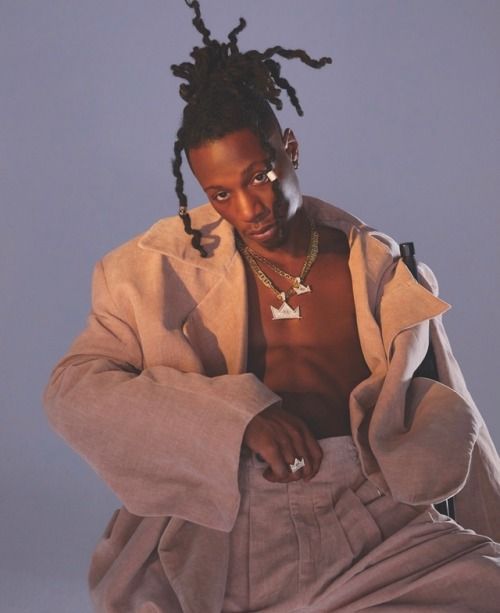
(154, 395)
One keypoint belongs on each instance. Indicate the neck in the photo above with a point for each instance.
(299, 234)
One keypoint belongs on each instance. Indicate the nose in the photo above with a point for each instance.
(250, 208)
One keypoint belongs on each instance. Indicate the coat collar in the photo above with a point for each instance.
(373, 257)
(167, 236)
(405, 303)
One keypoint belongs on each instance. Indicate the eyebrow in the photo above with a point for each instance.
(246, 172)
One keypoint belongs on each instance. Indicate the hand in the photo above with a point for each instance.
(279, 437)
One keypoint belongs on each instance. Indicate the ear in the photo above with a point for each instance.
(291, 146)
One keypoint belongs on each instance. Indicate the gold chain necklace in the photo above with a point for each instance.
(298, 286)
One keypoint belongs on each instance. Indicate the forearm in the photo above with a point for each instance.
(166, 442)
(165, 438)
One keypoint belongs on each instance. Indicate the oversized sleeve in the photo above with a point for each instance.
(166, 442)
(421, 432)
(477, 504)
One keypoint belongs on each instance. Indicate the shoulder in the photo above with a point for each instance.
(373, 251)
(355, 229)
(165, 237)
(125, 261)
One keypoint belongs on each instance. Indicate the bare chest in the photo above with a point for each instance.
(315, 361)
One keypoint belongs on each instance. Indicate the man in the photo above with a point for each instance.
(252, 400)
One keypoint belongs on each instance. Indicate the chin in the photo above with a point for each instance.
(274, 243)
(274, 239)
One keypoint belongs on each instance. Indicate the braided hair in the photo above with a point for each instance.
(226, 91)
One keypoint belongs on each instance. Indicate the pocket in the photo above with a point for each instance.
(380, 516)
(333, 549)
(353, 509)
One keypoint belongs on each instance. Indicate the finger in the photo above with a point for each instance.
(308, 448)
(278, 466)
(303, 443)
(280, 458)
(270, 476)
(292, 454)
(295, 449)
(314, 452)
(302, 452)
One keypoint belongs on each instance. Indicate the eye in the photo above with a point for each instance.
(221, 196)
(260, 178)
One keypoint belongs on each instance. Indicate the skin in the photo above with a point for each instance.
(312, 363)
(232, 172)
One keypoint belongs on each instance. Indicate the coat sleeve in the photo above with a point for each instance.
(167, 442)
(477, 504)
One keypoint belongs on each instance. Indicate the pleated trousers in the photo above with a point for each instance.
(339, 544)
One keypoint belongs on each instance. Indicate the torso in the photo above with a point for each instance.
(314, 362)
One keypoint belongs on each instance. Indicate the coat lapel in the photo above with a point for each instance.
(404, 304)
(388, 299)
(217, 330)
(217, 326)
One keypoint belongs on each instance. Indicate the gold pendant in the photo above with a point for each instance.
(285, 312)
(300, 288)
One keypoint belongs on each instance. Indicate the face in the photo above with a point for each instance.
(233, 173)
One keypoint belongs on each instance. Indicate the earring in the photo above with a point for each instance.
(295, 156)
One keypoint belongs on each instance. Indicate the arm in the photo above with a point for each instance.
(477, 503)
(167, 442)
(422, 432)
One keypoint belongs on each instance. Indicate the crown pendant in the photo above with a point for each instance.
(285, 312)
(299, 287)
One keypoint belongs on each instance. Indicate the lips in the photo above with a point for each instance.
(263, 233)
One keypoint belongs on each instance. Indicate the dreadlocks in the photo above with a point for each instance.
(225, 91)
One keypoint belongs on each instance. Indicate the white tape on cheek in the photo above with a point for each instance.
(272, 176)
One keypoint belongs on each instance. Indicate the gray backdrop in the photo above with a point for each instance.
(403, 131)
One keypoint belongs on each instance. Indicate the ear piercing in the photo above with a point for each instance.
(295, 155)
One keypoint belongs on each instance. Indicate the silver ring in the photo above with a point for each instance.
(297, 465)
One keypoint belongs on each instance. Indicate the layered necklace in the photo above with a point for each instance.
(298, 286)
